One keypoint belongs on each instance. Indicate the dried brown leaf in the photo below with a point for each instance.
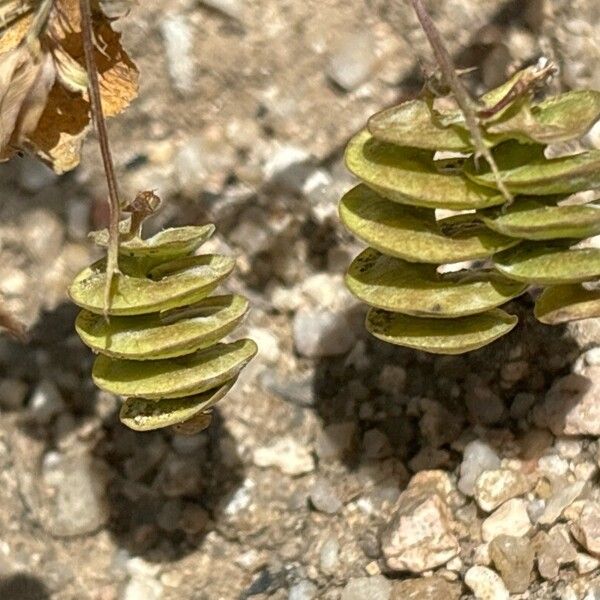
(56, 117)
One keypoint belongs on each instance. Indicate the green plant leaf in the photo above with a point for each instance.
(533, 219)
(166, 335)
(525, 170)
(141, 414)
(417, 289)
(178, 282)
(549, 264)
(440, 336)
(413, 234)
(563, 303)
(165, 245)
(412, 124)
(409, 176)
(175, 377)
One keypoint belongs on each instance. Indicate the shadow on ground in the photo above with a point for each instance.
(23, 586)
(423, 403)
(165, 492)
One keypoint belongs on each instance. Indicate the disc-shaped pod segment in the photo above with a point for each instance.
(413, 234)
(525, 170)
(142, 414)
(410, 176)
(173, 377)
(170, 285)
(563, 303)
(163, 335)
(532, 219)
(165, 245)
(417, 289)
(549, 264)
(440, 336)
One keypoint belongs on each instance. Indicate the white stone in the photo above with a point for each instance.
(486, 584)
(510, 519)
(477, 458)
(353, 62)
(287, 455)
(178, 37)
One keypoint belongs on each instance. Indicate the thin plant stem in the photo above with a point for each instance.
(112, 261)
(465, 102)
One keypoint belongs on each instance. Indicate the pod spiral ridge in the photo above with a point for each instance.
(161, 348)
(426, 202)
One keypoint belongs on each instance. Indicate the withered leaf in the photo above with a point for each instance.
(55, 117)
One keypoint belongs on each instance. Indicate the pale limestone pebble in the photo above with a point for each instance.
(573, 511)
(420, 536)
(513, 558)
(325, 290)
(568, 447)
(142, 588)
(374, 588)
(324, 498)
(571, 406)
(178, 37)
(303, 590)
(586, 563)
(287, 455)
(587, 528)
(372, 568)
(585, 471)
(329, 555)
(561, 498)
(425, 588)
(353, 61)
(493, 488)
(322, 332)
(230, 8)
(267, 342)
(455, 564)
(478, 456)
(553, 465)
(510, 518)
(553, 549)
(486, 584)
(481, 555)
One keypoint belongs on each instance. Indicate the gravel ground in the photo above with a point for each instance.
(339, 467)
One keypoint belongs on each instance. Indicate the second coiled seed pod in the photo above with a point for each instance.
(417, 159)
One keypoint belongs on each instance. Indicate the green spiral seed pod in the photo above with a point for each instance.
(161, 350)
(536, 240)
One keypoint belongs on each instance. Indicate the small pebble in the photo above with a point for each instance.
(486, 584)
(477, 458)
(353, 62)
(287, 455)
(324, 498)
(303, 590)
(373, 588)
(513, 558)
(493, 488)
(510, 519)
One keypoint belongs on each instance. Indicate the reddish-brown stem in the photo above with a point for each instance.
(463, 99)
(100, 123)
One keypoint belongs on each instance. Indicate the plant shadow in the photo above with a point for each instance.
(164, 492)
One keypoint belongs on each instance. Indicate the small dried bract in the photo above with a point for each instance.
(418, 157)
(162, 349)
